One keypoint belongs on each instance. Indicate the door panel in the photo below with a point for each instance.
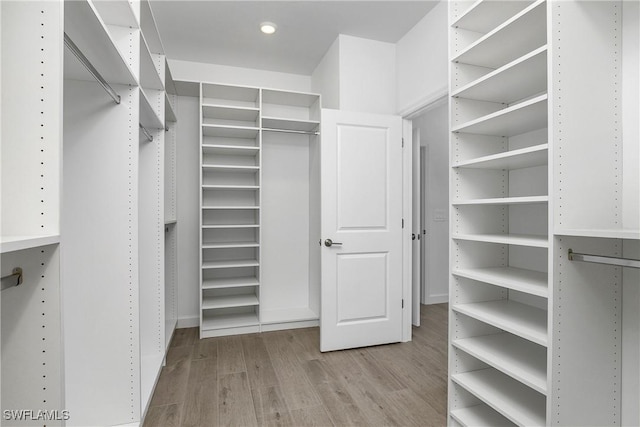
(361, 208)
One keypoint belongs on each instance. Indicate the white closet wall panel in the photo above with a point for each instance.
(31, 336)
(285, 219)
(101, 280)
(630, 337)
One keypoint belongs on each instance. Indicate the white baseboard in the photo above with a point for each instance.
(188, 322)
(436, 299)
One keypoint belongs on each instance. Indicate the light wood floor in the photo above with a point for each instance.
(282, 379)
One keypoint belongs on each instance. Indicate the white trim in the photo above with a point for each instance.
(426, 103)
(188, 322)
(436, 299)
(407, 214)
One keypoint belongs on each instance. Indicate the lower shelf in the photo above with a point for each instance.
(229, 321)
(288, 315)
(229, 264)
(480, 415)
(518, 403)
(234, 282)
(229, 301)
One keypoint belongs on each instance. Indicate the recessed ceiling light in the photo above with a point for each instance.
(268, 27)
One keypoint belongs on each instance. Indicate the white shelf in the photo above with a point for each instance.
(226, 112)
(232, 168)
(518, 358)
(503, 201)
(18, 243)
(149, 77)
(524, 77)
(221, 226)
(514, 120)
(170, 221)
(518, 279)
(229, 264)
(229, 95)
(230, 245)
(507, 239)
(90, 34)
(115, 12)
(522, 320)
(289, 124)
(230, 207)
(300, 314)
(169, 112)
(233, 150)
(148, 115)
(230, 187)
(229, 321)
(516, 402)
(288, 98)
(483, 16)
(480, 415)
(228, 301)
(633, 234)
(235, 282)
(536, 155)
(227, 131)
(522, 33)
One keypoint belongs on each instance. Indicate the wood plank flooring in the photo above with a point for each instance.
(281, 379)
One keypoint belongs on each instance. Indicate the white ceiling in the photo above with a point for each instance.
(227, 33)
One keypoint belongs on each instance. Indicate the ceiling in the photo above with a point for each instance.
(227, 32)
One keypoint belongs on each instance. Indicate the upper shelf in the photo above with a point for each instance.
(18, 243)
(294, 99)
(523, 33)
(484, 15)
(115, 12)
(90, 34)
(224, 112)
(289, 124)
(237, 96)
(149, 28)
(516, 159)
(514, 120)
(621, 233)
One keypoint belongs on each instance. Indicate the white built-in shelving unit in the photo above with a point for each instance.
(243, 281)
(529, 117)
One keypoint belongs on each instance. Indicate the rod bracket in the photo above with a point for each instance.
(13, 279)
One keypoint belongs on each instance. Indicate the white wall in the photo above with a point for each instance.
(433, 126)
(367, 75)
(326, 77)
(421, 61)
(214, 73)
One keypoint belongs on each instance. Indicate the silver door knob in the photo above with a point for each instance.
(328, 243)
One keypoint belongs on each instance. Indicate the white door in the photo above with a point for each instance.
(416, 225)
(361, 226)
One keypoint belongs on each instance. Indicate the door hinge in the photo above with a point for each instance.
(402, 222)
(403, 303)
(402, 142)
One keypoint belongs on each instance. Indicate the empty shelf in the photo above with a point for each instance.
(229, 321)
(232, 168)
(229, 264)
(169, 112)
(229, 187)
(233, 150)
(514, 120)
(230, 245)
(289, 124)
(517, 159)
(520, 319)
(230, 131)
(288, 315)
(235, 282)
(516, 402)
(503, 201)
(485, 15)
(149, 77)
(612, 233)
(518, 358)
(215, 226)
(518, 279)
(507, 239)
(226, 112)
(230, 207)
(522, 33)
(148, 116)
(18, 243)
(296, 99)
(524, 77)
(480, 415)
(228, 301)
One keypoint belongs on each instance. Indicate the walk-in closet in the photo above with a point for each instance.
(320, 213)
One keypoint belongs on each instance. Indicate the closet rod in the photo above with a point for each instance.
(96, 75)
(305, 132)
(16, 274)
(146, 133)
(598, 259)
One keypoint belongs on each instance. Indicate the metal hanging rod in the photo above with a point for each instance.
(305, 132)
(16, 279)
(96, 75)
(599, 259)
(146, 133)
